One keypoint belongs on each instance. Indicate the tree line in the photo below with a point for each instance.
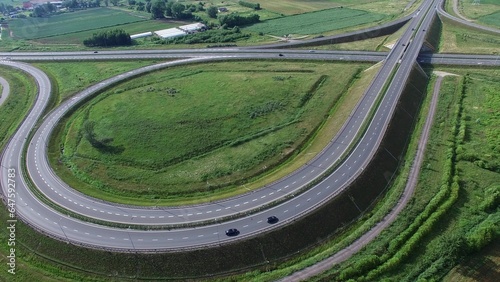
(110, 38)
(255, 6)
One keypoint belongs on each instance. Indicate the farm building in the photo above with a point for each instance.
(180, 31)
(140, 35)
(170, 33)
(191, 28)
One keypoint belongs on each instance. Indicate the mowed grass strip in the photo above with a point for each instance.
(91, 19)
(316, 22)
(216, 129)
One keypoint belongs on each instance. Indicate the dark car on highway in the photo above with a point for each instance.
(272, 219)
(232, 232)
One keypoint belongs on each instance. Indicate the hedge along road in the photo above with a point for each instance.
(64, 227)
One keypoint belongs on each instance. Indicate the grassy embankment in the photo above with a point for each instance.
(455, 210)
(239, 136)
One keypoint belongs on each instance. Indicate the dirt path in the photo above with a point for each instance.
(347, 252)
(457, 12)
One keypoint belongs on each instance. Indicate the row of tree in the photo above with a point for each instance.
(48, 8)
(255, 6)
(6, 9)
(110, 38)
(235, 19)
(162, 8)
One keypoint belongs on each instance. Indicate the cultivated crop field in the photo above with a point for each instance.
(131, 28)
(316, 22)
(199, 128)
(91, 19)
(292, 7)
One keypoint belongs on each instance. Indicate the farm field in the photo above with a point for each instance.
(316, 22)
(131, 28)
(91, 19)
(259, 129)
(292, 7)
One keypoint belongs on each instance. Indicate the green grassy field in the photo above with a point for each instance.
(459, 39)
(91, 19)
(316, 22)
(239, 134)
(476, 12)
(70, 78)
(491, 19)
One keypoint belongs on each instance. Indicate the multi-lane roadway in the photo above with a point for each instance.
(44, 218)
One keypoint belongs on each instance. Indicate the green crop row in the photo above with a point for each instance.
(91, 19)
(316, 22)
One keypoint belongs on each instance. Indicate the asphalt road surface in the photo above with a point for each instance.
(49, 221)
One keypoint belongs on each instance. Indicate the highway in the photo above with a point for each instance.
(53, 223)
(191, 53)
(236, 53)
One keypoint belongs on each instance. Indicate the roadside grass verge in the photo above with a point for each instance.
(12, 113)
(385, 254)
(286, 117)
(70, 78)
(16, 106)
(448, 186)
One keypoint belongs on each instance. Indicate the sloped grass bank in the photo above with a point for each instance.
(454, 212)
